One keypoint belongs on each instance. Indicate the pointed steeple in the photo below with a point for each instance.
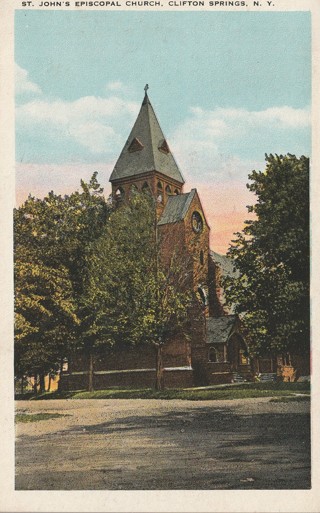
(146, 149)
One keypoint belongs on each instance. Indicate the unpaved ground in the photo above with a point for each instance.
(161, 444)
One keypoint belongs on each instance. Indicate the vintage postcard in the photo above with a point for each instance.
(159, 189)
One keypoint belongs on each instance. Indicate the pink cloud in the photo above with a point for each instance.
(39, 179)
(224, 203)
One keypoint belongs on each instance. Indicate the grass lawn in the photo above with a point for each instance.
(291, 398)
(24, 417)
(240, 391)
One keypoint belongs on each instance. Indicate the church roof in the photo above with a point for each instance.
(219, 329)
(225, 263)
(146, 149)
(176, 208)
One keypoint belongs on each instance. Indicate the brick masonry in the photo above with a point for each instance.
(182, 378)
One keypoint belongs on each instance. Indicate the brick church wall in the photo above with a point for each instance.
(177, 378)
(176, 353)
(172, 242)
(215, 292)
(197, 243)
(152, 179)
(209, 373)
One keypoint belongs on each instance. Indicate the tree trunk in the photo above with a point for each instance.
(90, 373)
(42, 383)
(22, 385)
(159, 368)
(35, 384)
(49, 383)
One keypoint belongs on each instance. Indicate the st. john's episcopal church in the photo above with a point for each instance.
(216, 352)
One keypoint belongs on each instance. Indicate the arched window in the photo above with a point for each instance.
(201, 257)
(203, 295)
(176, 191)
(213, 355)
(65, 365)
(243, 357)
(168, 189)
(145, 188)
(119, 194)
(159, 192)
(133, 189)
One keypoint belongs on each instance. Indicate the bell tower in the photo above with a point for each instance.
(146, 163)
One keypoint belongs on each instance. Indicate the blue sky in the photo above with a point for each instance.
(227, 87)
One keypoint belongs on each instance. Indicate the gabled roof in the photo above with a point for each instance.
(146, 149)
(176, 208)
(225, 263)
(219, 329)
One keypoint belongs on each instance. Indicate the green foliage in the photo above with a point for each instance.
(23, 417)
(134, 298)
(271, 257)
(51, 236)
(45, 316)
(224, 392)
(57, 229)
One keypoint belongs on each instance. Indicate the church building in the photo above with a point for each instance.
(216, 351)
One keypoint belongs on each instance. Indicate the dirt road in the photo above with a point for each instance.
(162, 444)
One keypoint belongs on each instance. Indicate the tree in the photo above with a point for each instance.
(271, 257)
(45, 317)
(58, 228)
(135, 299)
(51, 236)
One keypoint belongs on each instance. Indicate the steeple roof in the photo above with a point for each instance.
(146, 149)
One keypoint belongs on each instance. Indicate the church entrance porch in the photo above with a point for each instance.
(224, 356)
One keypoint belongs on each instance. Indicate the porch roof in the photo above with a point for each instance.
(219, 329)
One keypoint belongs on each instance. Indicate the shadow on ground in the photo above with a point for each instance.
(202, 448)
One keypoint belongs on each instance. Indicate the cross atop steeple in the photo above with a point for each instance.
(146, 97)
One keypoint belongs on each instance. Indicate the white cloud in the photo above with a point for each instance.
(22, 82)
(221, 122)
(286, 116)
(88, 108)
(94, 136)
(208, 143)
(93, 122)
(226, 140)
(117, 85)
